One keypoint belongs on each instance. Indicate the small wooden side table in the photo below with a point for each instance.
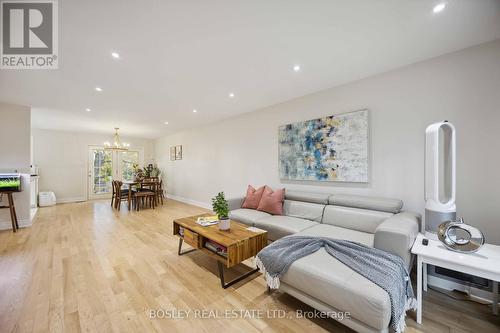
(12, 208)
(484, 263)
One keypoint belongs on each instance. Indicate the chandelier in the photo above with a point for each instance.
(117, 145)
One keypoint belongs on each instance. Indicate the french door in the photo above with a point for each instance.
(106, 166)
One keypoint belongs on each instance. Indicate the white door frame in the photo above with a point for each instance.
(116, 173)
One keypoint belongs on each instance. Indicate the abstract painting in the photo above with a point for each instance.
(333, 148)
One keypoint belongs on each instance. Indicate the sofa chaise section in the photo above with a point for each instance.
(323, 282)
(320, 278)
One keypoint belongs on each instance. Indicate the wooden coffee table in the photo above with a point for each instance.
(240, 242)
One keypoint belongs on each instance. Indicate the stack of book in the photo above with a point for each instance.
(207, 220)
(216, 247)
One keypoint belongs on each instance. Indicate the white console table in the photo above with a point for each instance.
(484, 263)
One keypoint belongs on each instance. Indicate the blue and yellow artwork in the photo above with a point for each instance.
(333, 148)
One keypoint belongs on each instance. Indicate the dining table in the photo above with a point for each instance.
(139, 183)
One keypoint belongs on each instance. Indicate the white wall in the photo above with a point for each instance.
(462, 87)
(15, 129)
(62, 159)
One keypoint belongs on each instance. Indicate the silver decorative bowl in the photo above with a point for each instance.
(460, 237)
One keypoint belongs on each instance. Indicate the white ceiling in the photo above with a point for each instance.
(180, 55)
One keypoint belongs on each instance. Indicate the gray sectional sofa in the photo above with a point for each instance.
(321, 280)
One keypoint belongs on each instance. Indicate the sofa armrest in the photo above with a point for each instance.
(397, 234)
(235, 203)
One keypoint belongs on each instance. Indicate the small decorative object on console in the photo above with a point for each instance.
(460, 237)
(221, 207)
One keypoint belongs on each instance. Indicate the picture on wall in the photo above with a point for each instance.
(178, 152)
(172, 153)
(333, 148)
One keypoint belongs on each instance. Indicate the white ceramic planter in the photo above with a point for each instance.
(224, 224)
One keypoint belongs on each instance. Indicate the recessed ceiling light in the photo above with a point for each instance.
(439, 7)
(231, 95)
(166, 123)
(88, 110)
(115, 55)
(195, 111)
(99, 89)
(296, 68)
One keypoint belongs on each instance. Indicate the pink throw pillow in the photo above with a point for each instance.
(272, 201)
(253, 197)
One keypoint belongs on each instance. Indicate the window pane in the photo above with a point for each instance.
(128, 159)
(103, 170)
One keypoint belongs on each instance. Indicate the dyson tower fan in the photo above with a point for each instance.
(440, 177)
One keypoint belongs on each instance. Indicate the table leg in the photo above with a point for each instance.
(13, 218)
(495, 298)
(419, 290)
(225, 284)
(424, 273)
(155, 196)
(15, 214)
(129, 196)
(179, 251)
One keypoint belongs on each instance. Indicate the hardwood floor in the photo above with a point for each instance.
(86, 267)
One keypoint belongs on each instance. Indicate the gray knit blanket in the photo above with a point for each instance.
(386, 270)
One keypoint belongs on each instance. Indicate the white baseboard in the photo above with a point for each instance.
(190, 201)
(33, 211)
(70, 199)
(7, 225)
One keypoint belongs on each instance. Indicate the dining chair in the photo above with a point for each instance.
(115, 198)
(159, 192)
(119, 195)
(146, 184)
(145, 196)
(149, 184)
(113, 195)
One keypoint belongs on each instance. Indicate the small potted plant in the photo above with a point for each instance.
(137, 171)
(147, 170)
(221, 207)
(155, 171)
